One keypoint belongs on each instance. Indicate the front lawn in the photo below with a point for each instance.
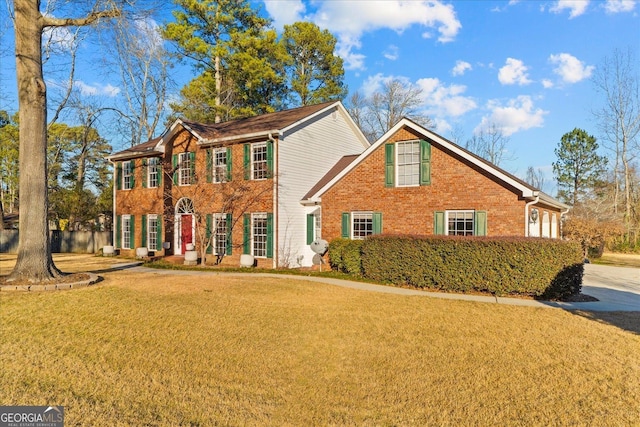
(156, 349)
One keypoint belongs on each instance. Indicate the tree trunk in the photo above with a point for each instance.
(34, 249)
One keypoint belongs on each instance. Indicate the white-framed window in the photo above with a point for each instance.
(219, 160)
(127, 175)
(153, 171)
(408, 163)
(361, 224)
(184, 168)
(460, 223)
(259, 234)
(554, 226)
(127, 237)
(317, 217)
(221, 235)
(259, 163)
(152, 232)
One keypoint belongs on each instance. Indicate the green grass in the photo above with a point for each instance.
(155, 349)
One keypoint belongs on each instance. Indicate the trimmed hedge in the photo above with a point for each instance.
(546, 268)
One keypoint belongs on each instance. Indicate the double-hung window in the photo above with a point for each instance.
(219, 159)
(259, 234)
(358, 225)
(152, 232)
(127, 175)
(184, 168)
(127, 232)
(461, 223)
(408, 163)
(153, 171)
(221, 234)
(259, 164)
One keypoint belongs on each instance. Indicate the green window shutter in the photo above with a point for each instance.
(346, 225)
(159, 238)
(269, 235)
(209, 165)
(377, 222)
(229, 164)
(270, 159)
(389, 168)
(144, 173)
(438, 223)
(481, 223)
(310, 228)
(425, 162)
(119, 176)
(144, 231)
(192, 162)
(118, 231)
(229, 235)
(160, 169)
(133, 173)
(207, 233)
(247, 161)
(246, 238)
(133, 232)
(174, 163)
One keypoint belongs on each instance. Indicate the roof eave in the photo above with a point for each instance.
(243, 137)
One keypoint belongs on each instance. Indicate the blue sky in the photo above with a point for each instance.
(525, 66)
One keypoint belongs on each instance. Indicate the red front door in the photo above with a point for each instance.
(186, 235)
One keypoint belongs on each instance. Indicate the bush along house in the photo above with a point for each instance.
(231, 189)
(413, 181)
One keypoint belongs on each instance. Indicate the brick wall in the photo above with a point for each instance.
(455, 185)
(208, 198)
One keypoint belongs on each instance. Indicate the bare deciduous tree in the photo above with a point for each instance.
(490, 143)
(34, 260)
(617, 80)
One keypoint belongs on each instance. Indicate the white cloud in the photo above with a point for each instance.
(619, 6)
(391, 53)
(445, 101)
(349, 20)
(58, 38)
(576, 7)
(518, 114)
(460, 68)
(547, 84)
(514, 72)
(284, 12)
(96, 89)
(149, 34)
(570, 68)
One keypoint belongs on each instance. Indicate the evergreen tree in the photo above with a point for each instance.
(314, 73)
(208, 33)
(579, 167)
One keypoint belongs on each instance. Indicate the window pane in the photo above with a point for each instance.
(259, 161)
(362, 224)
(152, 171)
(408, 163)
(152, 231)
(185, 168)
(259, 232)
(126, 232)
(220, 238)
(460, 223)
(220, 165)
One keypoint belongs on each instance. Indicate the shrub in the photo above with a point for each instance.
(537, 267)
(344, 256)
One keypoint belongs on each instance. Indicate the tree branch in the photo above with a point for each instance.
(49, 21)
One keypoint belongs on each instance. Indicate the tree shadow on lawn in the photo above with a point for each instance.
(626, 320)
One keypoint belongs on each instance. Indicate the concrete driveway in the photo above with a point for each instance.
(617, 288)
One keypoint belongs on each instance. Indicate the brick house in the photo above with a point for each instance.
(413, 181)
(236, 184)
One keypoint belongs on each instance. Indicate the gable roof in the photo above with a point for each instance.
(526, 190)
(335, 170)
(265, 125)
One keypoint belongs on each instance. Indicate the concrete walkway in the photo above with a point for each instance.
(616, 288)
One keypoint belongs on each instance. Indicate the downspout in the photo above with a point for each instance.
(113, 216)
(275, 242)
(526, 214)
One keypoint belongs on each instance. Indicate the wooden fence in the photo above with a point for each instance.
(85, 242)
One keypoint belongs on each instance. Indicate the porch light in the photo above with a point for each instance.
(534, 216)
